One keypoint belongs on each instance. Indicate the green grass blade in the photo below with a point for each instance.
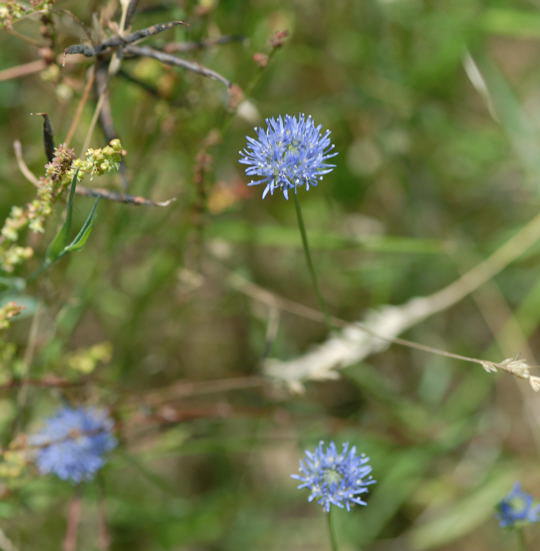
(84, 233)
(60, 241)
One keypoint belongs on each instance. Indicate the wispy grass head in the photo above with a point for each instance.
(73, 442)
(288, 153)
(517, 508)
(335, 478)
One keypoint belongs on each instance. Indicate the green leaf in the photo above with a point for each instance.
(58, 244)
(448, 524)
(511, 22)
(517, 124)
(84, 233)
(283, 236)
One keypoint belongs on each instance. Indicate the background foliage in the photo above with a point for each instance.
(437, 167)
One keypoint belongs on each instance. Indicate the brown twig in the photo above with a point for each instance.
(23, 70)
(73, 521)
(132, 8)
(90, 192)
(80, 106)
(105, 116)
(167, 59)
(122, 197)
(106, 121)
(23, 443)
(47, 31)
(203, 164)
(50, 382)
(186, 389)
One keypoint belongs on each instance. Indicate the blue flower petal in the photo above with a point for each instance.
(289, 153)
(72, 443)
(517, 508)
(335, 478)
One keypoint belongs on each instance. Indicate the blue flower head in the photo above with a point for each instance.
(335, 478)
(290, 152)
(72, 443)
(517, 508)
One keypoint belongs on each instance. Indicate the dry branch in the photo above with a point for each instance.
(120, 41)
(357, 340)
(23, 70)
(105, 116)
(122, 197)
(132, 8)
(168, 59)
(91, 192)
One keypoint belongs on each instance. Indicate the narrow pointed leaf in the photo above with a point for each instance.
(60, 241)
(84, 233)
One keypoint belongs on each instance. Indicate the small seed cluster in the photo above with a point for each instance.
(8, 311)
(58, 175)
(12, 10)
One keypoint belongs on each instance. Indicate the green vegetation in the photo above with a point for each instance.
(177, 315)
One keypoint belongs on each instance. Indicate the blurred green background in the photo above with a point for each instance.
(434, 109)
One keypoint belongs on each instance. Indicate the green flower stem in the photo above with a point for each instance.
(522, 544)
(332, 531)
(309, 260)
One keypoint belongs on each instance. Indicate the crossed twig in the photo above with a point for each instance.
(124, 45)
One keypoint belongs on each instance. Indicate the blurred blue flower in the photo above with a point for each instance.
(290, 152)
(335, 478)
(72, 443)
(517, 508)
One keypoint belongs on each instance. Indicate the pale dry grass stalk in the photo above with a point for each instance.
(188, 389)
(23, 70)
(355, 341)
(509, 336)
(93, 122)
(83, 101)
(5, 543)
(23, 167)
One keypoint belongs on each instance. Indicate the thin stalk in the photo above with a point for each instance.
(522, 544)
(311, 267)
(332, 531)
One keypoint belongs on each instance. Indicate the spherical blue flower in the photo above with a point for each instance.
(517, 508)
(72, 443)
(335, 478)
(290, 152)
